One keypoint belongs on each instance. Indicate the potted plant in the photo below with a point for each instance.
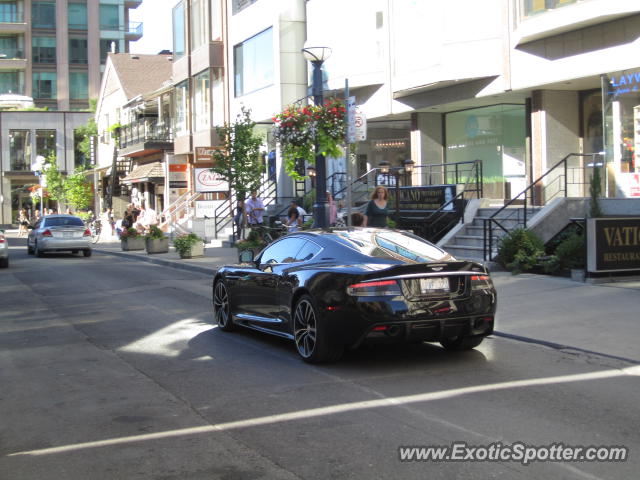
(156, 241)
(253, 242)
(130, 239)
(300, 129)
(189, 246)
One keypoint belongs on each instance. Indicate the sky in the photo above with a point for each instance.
(157, 31)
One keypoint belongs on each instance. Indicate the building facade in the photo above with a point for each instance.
(55, 51)
(518, 84)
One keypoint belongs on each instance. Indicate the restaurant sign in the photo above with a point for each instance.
(430, 197)
(208, 181)
(613, 244)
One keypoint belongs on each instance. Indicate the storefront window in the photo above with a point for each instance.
(182, 107)
(198, 20)
(20, 149)
(202, 100)
(179, 35)
(621, 109)
(495, 135)
(45, 143)
(253, 63)
(529, 8)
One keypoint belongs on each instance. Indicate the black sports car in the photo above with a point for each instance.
(328, 291)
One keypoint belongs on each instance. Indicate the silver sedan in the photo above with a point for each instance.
(4, 250)
(56, 233)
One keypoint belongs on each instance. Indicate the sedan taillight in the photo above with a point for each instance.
(1, 238)
(480, 282)
(380, 288)
(87, 233)
(47, 233)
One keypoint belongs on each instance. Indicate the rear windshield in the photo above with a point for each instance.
(63, 222)
(391, 244)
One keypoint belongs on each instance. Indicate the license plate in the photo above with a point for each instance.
(67, 234)
(431, 285)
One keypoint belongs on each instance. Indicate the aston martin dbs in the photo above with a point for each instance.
(331, 290)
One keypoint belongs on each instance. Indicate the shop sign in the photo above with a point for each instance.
(430, 197)
(207, 208)
(613, 244)
(207, 181)
(178, 175)
(204, 154)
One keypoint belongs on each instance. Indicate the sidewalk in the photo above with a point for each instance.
(214, 257)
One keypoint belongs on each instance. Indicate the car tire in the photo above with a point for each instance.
(222, 307)
(29, 249)
(37, 251)
(459, 344)
(311, 334)
(87, 253)
(4, 262)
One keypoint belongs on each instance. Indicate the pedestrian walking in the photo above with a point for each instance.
(377, 212)
(23, 223)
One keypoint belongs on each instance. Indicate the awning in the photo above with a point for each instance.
(149, 172)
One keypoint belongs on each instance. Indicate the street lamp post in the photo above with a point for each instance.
(317, 56)
(385, 168)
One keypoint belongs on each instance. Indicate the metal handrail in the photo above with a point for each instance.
(491, 223)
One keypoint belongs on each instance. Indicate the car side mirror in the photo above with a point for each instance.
(246, 256)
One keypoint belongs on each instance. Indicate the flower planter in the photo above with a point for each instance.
(157, 245)
(196, 250)
(132, 243)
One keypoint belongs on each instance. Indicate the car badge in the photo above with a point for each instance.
(436, 269)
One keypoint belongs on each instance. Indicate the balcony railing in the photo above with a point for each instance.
(149, 130)
(12, 53)
(133, 28)
(20, 165)
(10, 15)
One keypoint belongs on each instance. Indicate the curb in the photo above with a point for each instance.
(160, 261)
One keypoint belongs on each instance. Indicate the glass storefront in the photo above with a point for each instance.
(621, 110)
(495, 135)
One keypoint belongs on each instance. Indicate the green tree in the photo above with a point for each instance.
(54, 180)
(84, 133)
(237, 161)
(78, 191)
(595, 191)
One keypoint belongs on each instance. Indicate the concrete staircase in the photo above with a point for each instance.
(468, 240)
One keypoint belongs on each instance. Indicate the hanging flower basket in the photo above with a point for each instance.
(298, 129)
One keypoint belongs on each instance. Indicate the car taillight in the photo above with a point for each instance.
(480, 282)
(1, 238)
(47, 233)
(87, 233)
(374, 289)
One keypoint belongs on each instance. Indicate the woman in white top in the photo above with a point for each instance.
(293, 222)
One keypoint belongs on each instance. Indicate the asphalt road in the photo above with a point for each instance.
(112, 369)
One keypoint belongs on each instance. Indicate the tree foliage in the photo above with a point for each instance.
(54, 179)
(90, 129)
(238, 160)
(78, 191)
(595, 191)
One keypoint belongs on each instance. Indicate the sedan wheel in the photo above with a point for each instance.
(461, 343)
(38, 252)
(29, 249)
(311, 335)
(221, 307)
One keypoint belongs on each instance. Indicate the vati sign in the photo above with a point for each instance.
(613, 244)
(207, 181)
(204, 154)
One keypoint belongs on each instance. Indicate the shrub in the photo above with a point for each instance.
(129, 233)
(571, 252)
(155, 233)
(183, 243)
(519, 250)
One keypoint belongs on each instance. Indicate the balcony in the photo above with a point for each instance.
(145, 136)
(132, 3)
(134, 32)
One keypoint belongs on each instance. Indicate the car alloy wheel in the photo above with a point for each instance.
(221, 307)
(304, 328)
(311, 334)
(37, 251)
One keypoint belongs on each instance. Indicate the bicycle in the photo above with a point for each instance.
(95, 227)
